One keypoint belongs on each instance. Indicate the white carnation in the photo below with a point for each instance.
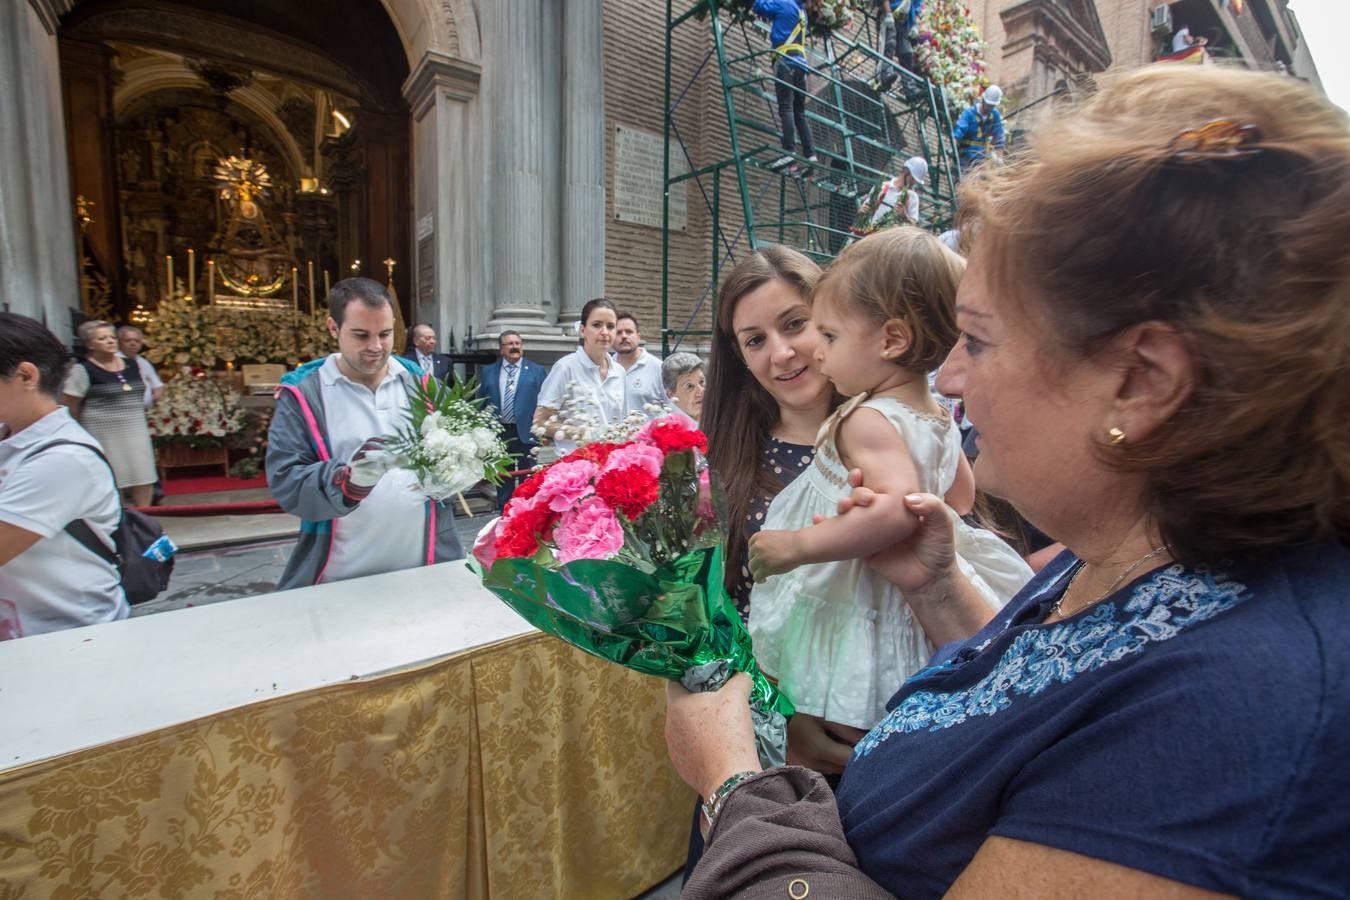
(431, 423)
(485, 440)
(438, 444)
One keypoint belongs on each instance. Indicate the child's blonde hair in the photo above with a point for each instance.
(901, 273)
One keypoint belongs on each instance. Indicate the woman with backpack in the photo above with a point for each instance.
(49, 581)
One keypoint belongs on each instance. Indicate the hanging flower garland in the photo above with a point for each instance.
(950, 52)
(823, 17)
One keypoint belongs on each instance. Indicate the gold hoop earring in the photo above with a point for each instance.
(1117, 436)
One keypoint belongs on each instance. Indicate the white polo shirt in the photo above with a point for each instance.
(604, 396)
(642, 383)
(57, 583)
(387, 530)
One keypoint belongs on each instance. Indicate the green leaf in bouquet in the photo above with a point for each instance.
(461, 409)
(664, 623)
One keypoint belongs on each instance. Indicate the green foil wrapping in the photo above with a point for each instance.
(677, 623)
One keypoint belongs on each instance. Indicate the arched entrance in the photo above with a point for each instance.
(158, 94)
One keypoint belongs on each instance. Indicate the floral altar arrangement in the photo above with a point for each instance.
(196, 410)
(179, 334)
(950, 52)
(250, 443)
(615, 550)
(184, 333)
(451, 441)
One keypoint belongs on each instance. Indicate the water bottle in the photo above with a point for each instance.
(161, 550)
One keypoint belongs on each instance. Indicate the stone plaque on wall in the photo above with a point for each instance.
(638, 180)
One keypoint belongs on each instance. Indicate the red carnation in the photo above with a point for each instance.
(596, 453)
(630, 490)
(529, 487)
(672, 436)
(522, 528)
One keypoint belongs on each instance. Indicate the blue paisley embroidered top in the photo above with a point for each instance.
(1195, 725)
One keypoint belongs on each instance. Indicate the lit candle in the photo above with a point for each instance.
(326, 289)
(211, 281)
(295, 289)
(168, 267)
(309, 267)
(192, 274)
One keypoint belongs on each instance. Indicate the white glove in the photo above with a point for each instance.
(369, 463)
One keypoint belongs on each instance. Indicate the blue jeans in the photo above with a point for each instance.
(791, 89)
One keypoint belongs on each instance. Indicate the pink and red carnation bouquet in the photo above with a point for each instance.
(615, 548)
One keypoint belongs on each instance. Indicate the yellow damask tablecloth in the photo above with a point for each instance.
(520, 769)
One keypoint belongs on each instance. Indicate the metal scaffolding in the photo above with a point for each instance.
(863, 134)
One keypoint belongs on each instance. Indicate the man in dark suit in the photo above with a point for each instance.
(423, 352)
(511, 387)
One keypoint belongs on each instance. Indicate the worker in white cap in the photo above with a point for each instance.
(979, 131)
(894, 201)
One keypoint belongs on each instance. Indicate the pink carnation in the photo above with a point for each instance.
(485, 545)
(644, 457)
(588, 531)
(565, 483)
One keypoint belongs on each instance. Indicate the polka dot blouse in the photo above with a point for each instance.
(784, 462)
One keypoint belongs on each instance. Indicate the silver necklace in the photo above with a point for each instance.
(1057, 608)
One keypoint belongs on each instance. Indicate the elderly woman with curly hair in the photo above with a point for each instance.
(1164, 711)
(684, 380)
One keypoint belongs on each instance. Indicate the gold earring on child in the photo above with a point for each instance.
(1117, 436)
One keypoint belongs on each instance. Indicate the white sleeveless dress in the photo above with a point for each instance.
(838, 637)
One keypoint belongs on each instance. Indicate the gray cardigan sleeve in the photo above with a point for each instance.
(301, 483)
(779, 827)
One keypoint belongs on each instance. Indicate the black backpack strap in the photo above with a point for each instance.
(81, 532)
(59, 441)
(79, 529)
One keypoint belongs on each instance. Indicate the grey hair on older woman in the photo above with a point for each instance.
(676, 366)
(89, 328)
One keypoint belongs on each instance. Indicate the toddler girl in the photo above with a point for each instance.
(838, 637)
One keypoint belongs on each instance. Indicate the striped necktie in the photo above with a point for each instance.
(509, 398)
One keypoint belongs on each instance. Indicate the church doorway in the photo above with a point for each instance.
(262, 146)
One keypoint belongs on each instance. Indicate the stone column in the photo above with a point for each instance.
(449, 249)
(583, 123)
(38, 275)
(523, 233)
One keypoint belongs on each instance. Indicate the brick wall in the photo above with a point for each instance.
(1125, 23)
(634, 83)
(634, 33)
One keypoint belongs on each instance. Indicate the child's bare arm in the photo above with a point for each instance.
(961, 497)
(869, 442)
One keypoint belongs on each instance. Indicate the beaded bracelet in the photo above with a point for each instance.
(713, 805)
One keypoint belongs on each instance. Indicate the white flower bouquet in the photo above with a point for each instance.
(450, 442)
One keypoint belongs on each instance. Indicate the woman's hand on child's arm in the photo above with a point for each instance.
(814, 745)
(772, 552)
(869, 442)
(923, 566)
